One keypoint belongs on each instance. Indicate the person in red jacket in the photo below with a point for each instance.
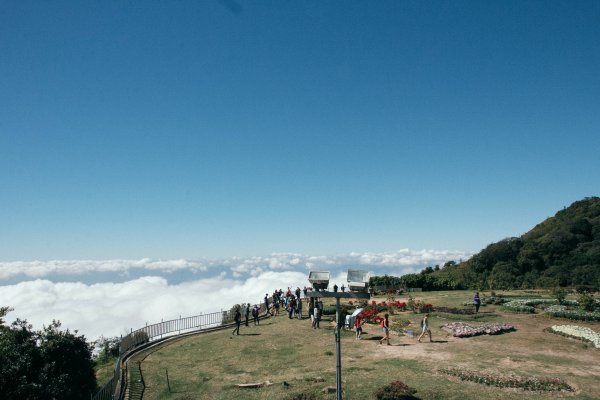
(385, 325)
(358, 324)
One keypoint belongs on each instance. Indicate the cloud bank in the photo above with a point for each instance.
(169, 289)
(111, 309)
(396, 262)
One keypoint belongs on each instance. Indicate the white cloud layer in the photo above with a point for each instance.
(111, 308)
(39, 269)
(114, 308)
(253, 266)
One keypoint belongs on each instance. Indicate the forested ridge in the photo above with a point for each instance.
(563, 250)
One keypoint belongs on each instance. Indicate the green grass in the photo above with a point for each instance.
(104, 371)
(208, 366)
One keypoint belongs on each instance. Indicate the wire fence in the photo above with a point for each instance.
(115, 387)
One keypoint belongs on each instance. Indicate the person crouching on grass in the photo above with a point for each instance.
(425, 328)
(385, 325)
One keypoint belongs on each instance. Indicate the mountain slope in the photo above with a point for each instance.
(563, 250)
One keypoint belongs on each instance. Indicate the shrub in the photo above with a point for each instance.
(390, 296)
(586, 288)
(586, 301)
(559, 294)
(425, 308)
(564, 312)
(304, 396)
(399, 325)
(396, 390)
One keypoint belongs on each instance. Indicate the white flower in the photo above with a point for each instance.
(578, 332)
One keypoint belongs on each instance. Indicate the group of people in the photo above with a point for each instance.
(385, 326)
(292, 303)
(248, 309)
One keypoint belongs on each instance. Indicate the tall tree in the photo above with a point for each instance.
(48, 364)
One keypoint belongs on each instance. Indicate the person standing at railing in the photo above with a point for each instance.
(266, 304)
(247, 312)
(238, 320)
(299, 308)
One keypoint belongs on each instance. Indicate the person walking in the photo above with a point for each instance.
(247, 312)
(476, 302)
(238, 320)
(425, 328)
(255, 313)
(385, 325)
(358, 325)
(299, 308)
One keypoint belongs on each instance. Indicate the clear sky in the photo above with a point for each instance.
(188, 129)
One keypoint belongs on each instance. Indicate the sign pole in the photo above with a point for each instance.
(338, 351)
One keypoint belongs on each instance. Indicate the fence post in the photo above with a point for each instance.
(168, 383)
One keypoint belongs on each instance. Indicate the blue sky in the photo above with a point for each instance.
(190, 129)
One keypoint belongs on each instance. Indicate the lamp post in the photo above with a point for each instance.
(338, 325)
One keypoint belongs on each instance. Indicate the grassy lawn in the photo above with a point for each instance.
(104, 371)
(208, 366)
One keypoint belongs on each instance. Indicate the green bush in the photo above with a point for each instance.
(559, 294)
(586, 301)
(396, 390)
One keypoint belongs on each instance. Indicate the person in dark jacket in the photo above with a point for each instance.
(476, 302)
(247, 313)
(237, 318)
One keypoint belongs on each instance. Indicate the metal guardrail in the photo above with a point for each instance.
(114, 389)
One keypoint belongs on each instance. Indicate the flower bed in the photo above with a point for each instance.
(458, 311)
(533, 383)
(561, 311)
(578, 332)
(526, 305)
(461, 330)
(486, 301)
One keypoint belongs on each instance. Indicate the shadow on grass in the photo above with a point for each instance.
(434, 341)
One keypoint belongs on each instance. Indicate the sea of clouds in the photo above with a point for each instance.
(111, 297)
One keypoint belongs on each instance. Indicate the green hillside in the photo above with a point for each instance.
(563, 250)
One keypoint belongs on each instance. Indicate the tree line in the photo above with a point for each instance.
(561, 251)
(45, 364)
